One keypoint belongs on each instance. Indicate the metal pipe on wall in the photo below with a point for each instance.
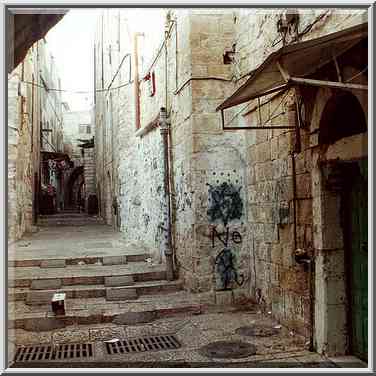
(136, 80)
(165, 130)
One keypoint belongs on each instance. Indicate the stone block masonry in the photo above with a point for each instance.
(233, 193)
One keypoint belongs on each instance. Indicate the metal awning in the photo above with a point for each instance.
(290, 64)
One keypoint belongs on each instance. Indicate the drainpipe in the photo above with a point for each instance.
(167, 240)
(136, 80)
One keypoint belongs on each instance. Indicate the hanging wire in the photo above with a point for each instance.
(77, 91)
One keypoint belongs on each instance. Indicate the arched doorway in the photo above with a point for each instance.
(343, 116)
(340, 220)
(73, 188)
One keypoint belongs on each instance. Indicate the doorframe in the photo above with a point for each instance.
(349, 251)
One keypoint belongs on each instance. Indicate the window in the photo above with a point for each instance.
(84, 129)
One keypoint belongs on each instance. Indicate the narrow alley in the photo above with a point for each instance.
(179, 191)
(120, 294)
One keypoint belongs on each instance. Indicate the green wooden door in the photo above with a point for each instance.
(359, 262)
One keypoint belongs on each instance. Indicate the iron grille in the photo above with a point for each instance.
(154, 343)
(48, 352)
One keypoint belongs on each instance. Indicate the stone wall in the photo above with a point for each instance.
(19, 163)
(218, 164)
(23, 156)
(31, 105)
(232, 192)
(278, 281)
(109, 50)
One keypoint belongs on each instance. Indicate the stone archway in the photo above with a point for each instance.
(339, 138)
(70, 187)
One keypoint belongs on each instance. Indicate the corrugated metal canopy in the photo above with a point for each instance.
(298, 60)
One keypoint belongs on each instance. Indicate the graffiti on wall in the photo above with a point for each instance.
(225, 237)
(225, 203)
(225, 263)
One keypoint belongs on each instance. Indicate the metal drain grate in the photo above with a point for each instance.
(155, 343)
(47, 352)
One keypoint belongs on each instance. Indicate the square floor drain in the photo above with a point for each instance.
(48, 352)
(142, 344)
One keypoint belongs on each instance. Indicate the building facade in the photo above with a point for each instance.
(241, 213)
(79, 179)
(34, 132)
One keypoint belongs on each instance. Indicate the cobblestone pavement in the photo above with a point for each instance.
(283, 349)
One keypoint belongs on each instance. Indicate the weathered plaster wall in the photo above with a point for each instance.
(110, 48)
(51, 111)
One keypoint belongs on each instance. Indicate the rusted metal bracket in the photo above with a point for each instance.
(283, 72)
(337, 68)
(224, 128)
(331, 84)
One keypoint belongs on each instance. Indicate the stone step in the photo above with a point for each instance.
(69, 223)
(69, 220)
(121, 293)
(72, 214)
(108, 259)
(119, 281)
(98, 291)
(87, 274)
(96, 311)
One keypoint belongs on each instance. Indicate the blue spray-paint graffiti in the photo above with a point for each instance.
(225, 262)
(225, 203)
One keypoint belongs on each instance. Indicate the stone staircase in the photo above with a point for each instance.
(104, 278)
(129, 292)
(68, 218)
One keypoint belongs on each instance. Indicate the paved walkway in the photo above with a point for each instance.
(281, 350)
(194, 319)
(65, 242)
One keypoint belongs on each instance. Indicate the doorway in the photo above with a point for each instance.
(356, 233)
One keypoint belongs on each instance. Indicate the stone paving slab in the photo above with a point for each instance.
(73, 251)
(46, 284)
(114, 281)
(53, 263)
(86, 270)
(120, 293)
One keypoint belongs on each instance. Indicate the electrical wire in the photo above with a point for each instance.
(77, 91)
